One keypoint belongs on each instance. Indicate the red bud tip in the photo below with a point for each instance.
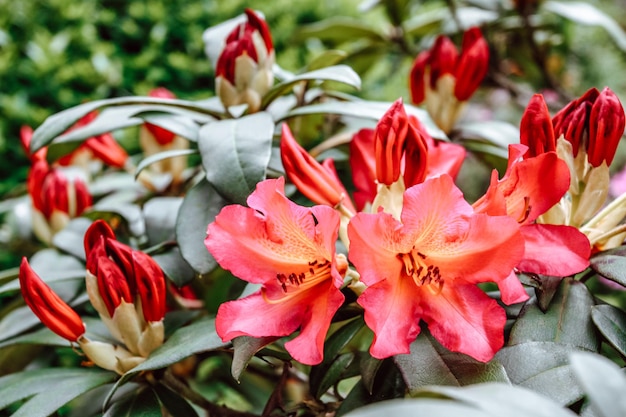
(536, 129)
(150, 286)
(417, 85)
(472, 65)
(53, 312)
(389, 138)
(606, 127)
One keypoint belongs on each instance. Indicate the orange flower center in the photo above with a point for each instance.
(318, 271)
(421, 271)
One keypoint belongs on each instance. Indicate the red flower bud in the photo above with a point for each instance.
(416, 79)
(162, 136)
(150, 286)
(472, 65)
(53, 312)
(536, 129)
(317, 182)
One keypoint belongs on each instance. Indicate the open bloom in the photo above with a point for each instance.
(290, 251)
(445, 79)
(154, 139)
(528, 189)
(585, 135)
(244, 68)
(425, 266)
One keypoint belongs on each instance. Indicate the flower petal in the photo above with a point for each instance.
(511, 290)
(554, 250)
(464, 319)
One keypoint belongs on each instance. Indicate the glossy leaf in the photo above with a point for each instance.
(611, 264)
(199, 208)
(497, 399)
(235, 154)
(542, 367)
(413, 407)
(175, 267)
(176, 405)
(160, 215)
(340, 29)
(611, 322)
(70, 238)
(567, 320)
(143, 403)
(372, 110)
(49, 388)
(326, 59)
(333, 374)
(587, 14)
(488, 137)
(603, 381)
(338, 73)
(245, 347)
(146, 162)
(55, 125)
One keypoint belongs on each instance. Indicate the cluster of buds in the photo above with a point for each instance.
(57, 193)
(244, 68)
(445, 79)
(585, 135)
(127, 289)
(154, 139)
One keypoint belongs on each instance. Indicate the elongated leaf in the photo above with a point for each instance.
(587, 14)
(50, 388)
(340, 29)
(176, 405)
(413, 407)
(326, 59)
(497, 399)
(567, 320)
(245, 347)
(146, 162)
(333, 373)
(491, 138)
(200, 206)
(338, 73)
(542, 367)
(603, 382)
(57, 124)
(175, 267)
(70, 239)
(367, 110)
(235, 154)
(143, 403)
(611, 322)
(160, 215)
(611, 264)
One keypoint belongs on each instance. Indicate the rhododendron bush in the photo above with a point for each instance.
(289, 247)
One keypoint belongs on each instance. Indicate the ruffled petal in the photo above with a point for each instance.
(391, 312)
(554, 250)
(464, 319)
(511, 290)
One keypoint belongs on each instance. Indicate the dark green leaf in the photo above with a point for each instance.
(200, 206)
(603, 382)
(413, 407)
(611, 322)
(160, 215)
(43, 336)
(143, 403)
(57, 124)
(425, 22)
(340, 29)
(497, 399)
(180, 125)
(245, 348)
(50, 388)
(146, 162)
(542, 367)
(588, 14)
(176, 405)
(372, 110)
(175, 267)
(130, 214)
(338, 73)
(369, 367)
(567, 320)
(333, 373)
(611, 264)
(235, 154)
(70, 239)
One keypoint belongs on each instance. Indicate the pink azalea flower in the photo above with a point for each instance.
(290, 251)
(425, 266)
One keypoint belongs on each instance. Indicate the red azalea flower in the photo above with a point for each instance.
(290, 251)
(426, 266)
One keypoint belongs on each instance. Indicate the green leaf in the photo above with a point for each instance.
(338, 73)
(50, 388)
(143, 403)
(175, 267)
(333, 373)
(413, 407)
(70, 239)
(43, 336)
(245, 347)
(176, 405)
(340, 29)
(496, 399)
(488, 137)
(199, 208)
(603, 382)
(611, 264)
(611, 322)
(587, 14)
(372, 110)
(542, 367)
(235, 154)
(57, 124)
(567, 320)
(326, 59)
(160, 215)
(146, 162)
